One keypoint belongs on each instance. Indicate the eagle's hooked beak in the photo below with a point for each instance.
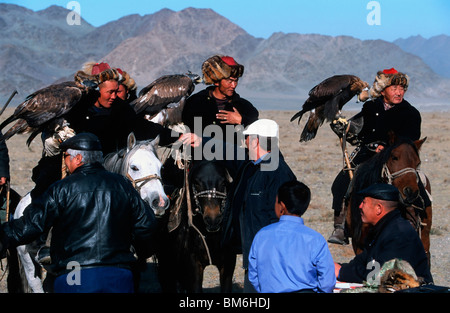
(90, 83)
(196, 79)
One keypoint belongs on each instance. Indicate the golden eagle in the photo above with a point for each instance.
(164, 91)
(326, 100)
(46, 108)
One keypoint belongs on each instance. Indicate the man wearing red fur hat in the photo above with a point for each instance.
(219, 104)
(386, 111)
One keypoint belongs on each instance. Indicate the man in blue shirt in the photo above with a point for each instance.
(287, 256)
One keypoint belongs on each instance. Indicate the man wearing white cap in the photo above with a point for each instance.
(251, 199)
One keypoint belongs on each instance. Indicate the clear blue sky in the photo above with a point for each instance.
(395, 18)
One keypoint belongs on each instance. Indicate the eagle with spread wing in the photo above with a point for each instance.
(168, 92)
(46, 108)
(326, 100)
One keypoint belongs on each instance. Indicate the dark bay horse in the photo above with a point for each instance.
(191, 237)
(398, 165)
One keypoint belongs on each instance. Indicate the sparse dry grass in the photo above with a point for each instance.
(315, 163)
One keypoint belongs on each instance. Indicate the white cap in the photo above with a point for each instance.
(262, 127)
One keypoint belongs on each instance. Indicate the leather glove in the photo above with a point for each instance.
(51, 144)
(341, 126)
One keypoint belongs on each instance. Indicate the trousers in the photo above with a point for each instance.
(102, 279)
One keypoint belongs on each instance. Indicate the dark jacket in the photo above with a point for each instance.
(403, 119)
(112, 126)
(203, 104)
(392, 237)
(96, 216)
(251, 203)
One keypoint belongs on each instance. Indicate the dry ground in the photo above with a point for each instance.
(315, 163)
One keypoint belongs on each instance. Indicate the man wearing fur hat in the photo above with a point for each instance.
(386, 111)
(219, 104)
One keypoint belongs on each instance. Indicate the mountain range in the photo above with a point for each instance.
(40, 48)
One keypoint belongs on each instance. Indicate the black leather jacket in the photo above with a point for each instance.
(96, 216)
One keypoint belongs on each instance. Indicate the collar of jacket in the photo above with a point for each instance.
(380, 102)
(378, 228)
(89, 167)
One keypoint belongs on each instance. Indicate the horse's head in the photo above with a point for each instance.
(209, 183)
(401, 169)
(143, 168)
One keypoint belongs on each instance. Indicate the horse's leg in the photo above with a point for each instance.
(14, 282)
(195, 275)
(425, 232)
(29, 268)
(226, 272)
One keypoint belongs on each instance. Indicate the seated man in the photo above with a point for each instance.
(299, 257)
(391, 237)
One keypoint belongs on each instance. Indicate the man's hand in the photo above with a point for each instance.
(51, 144)
(190, 139)
(228, 117)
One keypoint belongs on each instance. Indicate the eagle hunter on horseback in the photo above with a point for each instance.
(387, 111)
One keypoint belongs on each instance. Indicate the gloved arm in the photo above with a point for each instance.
(51, 143)
(350, 128)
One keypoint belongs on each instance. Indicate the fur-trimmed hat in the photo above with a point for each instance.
(220, 67)
(100, 72)
(386, 78)
(127, 81)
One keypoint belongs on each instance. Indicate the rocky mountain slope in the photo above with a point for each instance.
(39, 48)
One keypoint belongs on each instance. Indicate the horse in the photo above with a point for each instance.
(397, 164)
(191, 237)
(140, 164)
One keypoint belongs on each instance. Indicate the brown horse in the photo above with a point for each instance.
(397, 165)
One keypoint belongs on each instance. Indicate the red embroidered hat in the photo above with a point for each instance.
(99, 67)
(390, 71)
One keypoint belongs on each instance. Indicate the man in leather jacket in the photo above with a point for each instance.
(388, 111)
(96, 217)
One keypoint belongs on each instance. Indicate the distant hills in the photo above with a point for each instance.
(39, 48)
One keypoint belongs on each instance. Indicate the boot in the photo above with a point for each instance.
(338, 236)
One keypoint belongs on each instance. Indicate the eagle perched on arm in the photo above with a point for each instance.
(46, 108)
(326, 100)
(164, 91)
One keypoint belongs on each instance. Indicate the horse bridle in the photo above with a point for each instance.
(145, 180)
(390, 177)
(210, 194)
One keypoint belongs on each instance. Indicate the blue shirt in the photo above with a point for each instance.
(287, 256)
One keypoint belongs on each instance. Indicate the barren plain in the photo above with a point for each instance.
(315, 163)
